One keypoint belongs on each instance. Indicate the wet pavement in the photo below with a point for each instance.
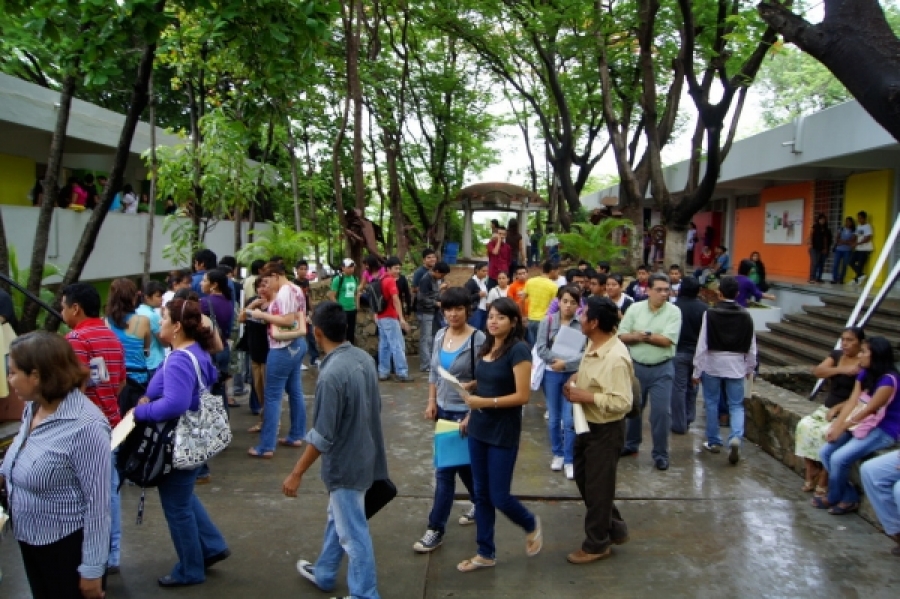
(701, 529)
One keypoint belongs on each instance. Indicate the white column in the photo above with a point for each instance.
(467, 234)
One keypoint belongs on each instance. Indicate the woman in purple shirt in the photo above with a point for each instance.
(876, 385)
(746, 287)
(218, 304)
(173, 390)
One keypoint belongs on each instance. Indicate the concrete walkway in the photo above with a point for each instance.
(701, 529)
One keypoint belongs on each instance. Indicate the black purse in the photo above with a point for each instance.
(381, 493)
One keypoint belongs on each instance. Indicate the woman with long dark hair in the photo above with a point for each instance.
(875, 388)
(218, 304)
(820, 240)
(135, 335)
(501, 387)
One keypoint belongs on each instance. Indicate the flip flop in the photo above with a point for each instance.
(287, 443)
(820, 503)
(534, 541)
(266, 455)
(476, 563)
(808, 486)
(843, 511)
(255, 428)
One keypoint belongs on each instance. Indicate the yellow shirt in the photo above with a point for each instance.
(540, 291)
(607, 372)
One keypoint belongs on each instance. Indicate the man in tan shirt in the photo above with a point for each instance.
(603, 388)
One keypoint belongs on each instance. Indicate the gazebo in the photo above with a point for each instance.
(503, 197)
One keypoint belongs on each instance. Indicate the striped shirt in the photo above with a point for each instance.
(93, 339)
(57, 477)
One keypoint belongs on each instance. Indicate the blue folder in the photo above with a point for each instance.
(450, 449)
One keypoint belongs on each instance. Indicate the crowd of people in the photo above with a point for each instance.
(652, 343)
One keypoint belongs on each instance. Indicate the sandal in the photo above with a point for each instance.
(821, 491)
(476, 563)
(255, 428)
(534, 541)
(287, 443)
(820, 503)
(234, 404)
(265, 455)
(808, 486)
(843, 510)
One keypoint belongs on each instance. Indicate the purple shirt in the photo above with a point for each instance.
(890, 424)
(746, 290)
(174, 388)
(222, 309)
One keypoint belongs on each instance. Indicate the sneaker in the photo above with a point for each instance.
(307, 570)
(304, 367)
(734, 451)
(468, 518)
(314, 363)
(430, 541)
(547, 415)
(715, 448)
(570, 471)
(861, 279)
(556, 464)
(405, 379)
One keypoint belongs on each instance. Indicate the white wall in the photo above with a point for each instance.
(119, 250)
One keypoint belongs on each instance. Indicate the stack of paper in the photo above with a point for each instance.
(568, 343)
(450, 448)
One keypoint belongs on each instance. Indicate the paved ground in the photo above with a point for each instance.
(702, 529)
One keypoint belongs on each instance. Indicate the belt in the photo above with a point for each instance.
(652, 365)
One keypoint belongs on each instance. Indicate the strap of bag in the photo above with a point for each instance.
(203, 386)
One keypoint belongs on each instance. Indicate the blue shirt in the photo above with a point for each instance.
(195, 282)
(724, 262)
(135, 361)
(447, 357)
(157, 351)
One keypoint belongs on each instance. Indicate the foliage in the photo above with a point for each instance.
(281, 240)
(20, 276)
(595, 243)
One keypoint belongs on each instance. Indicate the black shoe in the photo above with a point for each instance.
(405, 379)
(625, 452)
(167, 582)
(212, 561)
(661, 463)
(384, 378)
(110, 570)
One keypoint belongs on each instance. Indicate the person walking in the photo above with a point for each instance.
(651, 329)
(500, 389)
(725, 356)
(684, 392)
(391, 326)
(347, 435)
(602, 387)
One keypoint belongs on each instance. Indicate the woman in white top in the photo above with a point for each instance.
(129, 200)
(500, 290)
(477, 288)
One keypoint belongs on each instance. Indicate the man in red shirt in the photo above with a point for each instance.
(100, 351)
(499, 256)
(391, 326)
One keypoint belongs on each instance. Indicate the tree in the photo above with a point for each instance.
(856, 43)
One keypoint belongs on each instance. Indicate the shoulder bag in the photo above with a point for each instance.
(862, 430)
(204, 433)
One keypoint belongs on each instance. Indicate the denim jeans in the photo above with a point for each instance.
(283, 374)
(115, 515)
(241, 378)
(656, 386)
(347, 531)
(713, 389)
(881, 479)
(478, 319)
(816, 264)
(445, 482)
(194, 535)
(531, 331)
(839, 266)
(684, 393)
(839, 457)
(311, 348)
(561, 423)
(426, 340)
(492, 470)
(391, 345)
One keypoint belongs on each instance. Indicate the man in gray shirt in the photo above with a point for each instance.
(347, 433)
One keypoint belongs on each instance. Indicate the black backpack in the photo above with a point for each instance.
(145, 457)
(375, 296)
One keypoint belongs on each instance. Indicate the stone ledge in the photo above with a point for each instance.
(771, 422)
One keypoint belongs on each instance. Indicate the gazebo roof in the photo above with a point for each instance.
(500, 196)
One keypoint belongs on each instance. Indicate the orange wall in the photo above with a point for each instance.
(780, 260)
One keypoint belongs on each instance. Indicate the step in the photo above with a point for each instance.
(884, 323)
(774, 357)
(889, 307)
(817, 334)
(805, 353)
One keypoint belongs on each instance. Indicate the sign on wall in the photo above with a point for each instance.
(784, 222)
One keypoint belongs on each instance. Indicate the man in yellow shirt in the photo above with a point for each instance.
(603, 389)
(540, 292)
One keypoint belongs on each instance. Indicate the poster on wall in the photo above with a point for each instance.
(784, 222)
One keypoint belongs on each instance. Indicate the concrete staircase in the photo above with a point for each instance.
(805, 339)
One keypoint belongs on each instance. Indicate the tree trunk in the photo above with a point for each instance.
(676, 249)
(136, 107)
(354, 87)
(295, 191)
(148, 246)
(336, 174)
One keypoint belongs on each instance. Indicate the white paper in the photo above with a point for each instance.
(125, 426)
(581, 423)
(568, 343)
(445, 374)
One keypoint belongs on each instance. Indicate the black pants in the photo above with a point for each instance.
(52, 569)
(351, 326)
(596, 459)
(858, 262)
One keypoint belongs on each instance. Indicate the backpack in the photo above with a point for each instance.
(145, 457)
(375, 296)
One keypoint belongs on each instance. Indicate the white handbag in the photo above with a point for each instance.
(203, 433)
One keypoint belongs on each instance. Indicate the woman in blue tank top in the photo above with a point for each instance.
(132, 329)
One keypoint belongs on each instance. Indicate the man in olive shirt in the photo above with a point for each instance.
(651, 329)
(602, 387)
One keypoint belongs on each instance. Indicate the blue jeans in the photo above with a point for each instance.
(426, 340)
(347, 531)
(561, 423)
(684, 393)
(115, 515)
(531, 331)
(656, 386)
(881, 479)
(445, 482)
(839, 266)
(839, 457)
(283, 374)
(492, 470)
(194, 535)
(478, 319)
(713, 389)
(241, 378)
(311, 348)
(391, 345)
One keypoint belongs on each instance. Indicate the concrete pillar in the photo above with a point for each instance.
(467, 233)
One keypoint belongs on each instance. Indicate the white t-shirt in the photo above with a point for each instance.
(496, 293)
(561, 281)
(482, 285)
(131, 203)
(861, 232)
(551, 240)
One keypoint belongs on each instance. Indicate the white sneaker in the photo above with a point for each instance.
(556, 464)
(570, 471)
(861, 279)
(307, 570)
(734, 451)
(547, 415)
(468, 518)
(304, 367)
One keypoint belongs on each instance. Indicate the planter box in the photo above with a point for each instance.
(763, 316)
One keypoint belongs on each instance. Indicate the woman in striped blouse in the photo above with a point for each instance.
(57, 472)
